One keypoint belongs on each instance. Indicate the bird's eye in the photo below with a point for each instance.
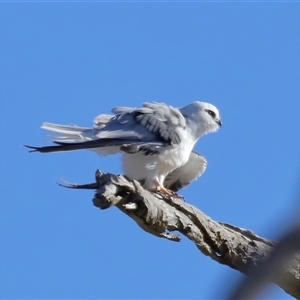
(211, 113)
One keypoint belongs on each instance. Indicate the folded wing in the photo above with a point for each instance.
(184, 175)
(148, 129)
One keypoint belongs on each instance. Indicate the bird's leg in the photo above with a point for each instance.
(159, 188)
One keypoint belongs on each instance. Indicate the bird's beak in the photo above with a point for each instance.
(219, 122)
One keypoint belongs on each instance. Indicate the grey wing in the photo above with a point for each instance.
(184, 175)
(148, 129)
(159, 120)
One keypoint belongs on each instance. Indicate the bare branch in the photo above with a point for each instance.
(238, 248)
(285, 253)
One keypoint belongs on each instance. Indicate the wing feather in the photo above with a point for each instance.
(147, 129)
(184, 175)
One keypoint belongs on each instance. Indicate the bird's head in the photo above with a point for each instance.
(205, 116)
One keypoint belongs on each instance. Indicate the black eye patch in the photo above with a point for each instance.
(211, 113)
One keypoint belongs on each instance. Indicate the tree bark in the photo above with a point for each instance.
(161, 215)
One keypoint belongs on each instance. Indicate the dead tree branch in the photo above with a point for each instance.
(238, 248)
(285, 253)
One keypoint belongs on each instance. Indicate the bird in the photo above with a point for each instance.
(156, 141)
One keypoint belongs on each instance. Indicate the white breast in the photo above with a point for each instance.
(154, 168)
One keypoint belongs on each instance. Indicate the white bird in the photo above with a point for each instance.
(156, 141)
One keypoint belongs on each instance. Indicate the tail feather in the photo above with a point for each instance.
(64, 128)
(69, 132)
(72, 137)
(62, 146)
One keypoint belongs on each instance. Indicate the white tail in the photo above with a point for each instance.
(71, 133)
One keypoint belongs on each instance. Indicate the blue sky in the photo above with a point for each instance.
(68, 62)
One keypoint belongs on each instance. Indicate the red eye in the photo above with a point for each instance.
(211, 113)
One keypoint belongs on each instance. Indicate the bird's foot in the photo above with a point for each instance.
(166, 192)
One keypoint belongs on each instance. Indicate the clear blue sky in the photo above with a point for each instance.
(68, 62)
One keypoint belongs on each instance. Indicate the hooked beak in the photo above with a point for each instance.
(219, 122)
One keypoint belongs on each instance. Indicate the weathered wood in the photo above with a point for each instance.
(161, 215)
(282, 263)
